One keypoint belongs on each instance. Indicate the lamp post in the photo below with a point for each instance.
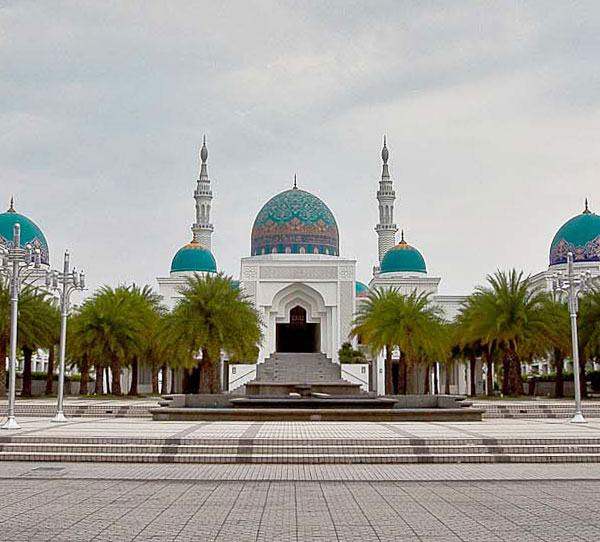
(573, 285)
(68, 282)
(14, 260)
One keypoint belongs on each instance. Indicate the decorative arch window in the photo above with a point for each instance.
(274, 250)
(327, 251)
(262, 251)
(302, 250)
(316, 250)
(288, 250)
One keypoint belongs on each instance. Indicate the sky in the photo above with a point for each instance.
(491, 110)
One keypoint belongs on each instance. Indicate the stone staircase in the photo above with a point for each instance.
(301, 368)
(542, 409)
(299, 374)
(293, 451)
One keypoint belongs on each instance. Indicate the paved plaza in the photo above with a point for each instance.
(78, 502)
(168, 503)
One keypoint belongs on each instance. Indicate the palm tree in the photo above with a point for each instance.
(388, 319)
(589, 333)
(213, 317)
(38, 324)
(109, 330)
(509, 316)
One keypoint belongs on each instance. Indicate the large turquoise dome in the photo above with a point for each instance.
(581, 236)
(295, 222)
(403, 258)
(30, 233)
(194, 257)
(361, 289)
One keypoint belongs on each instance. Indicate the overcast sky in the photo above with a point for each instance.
(491, 109)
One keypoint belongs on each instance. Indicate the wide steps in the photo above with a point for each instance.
(285, 451)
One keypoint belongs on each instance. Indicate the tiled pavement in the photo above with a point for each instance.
(81, 502)
(176, 511)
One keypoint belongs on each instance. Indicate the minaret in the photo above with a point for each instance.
(386, 229)
(203, 229)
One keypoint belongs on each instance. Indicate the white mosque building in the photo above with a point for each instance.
(305, 290)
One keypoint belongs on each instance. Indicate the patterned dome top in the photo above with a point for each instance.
(403, 258)
(194, 257)
(295, 222)
(581, 236)
(30, 233)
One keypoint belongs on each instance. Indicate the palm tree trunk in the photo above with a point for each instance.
(505, 374)
(27, 356)
(155, 380)
(50, 373)
(515, 383)
(173, 373)
(84, 370)
(489, 360)
(206, 377)
(472, 363)
(389, 385)
(427, 387)
(99, 387)
(402, 375)
(436, 382)
(216, 377)
(582, 382)
(115, 369)
(133, 389)
(559, 389)
(164, 387)
(447, 368)
(3, 350)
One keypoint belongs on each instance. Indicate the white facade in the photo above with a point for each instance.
(322, 285)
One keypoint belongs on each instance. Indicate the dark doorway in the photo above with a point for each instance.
(298, 335)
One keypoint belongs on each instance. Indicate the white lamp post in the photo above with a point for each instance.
(14, 260)
(68, 282)
(573, 285)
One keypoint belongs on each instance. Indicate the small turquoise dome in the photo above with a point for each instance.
(295, 222)
(30, 233)
(403, 258)
(361, 289)
(581, 236)
(194, 257)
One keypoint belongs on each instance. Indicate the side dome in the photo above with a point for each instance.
(30, 232)
(579, 235)
(194, 257)
(295, 222)
(361, 289)
(403, 258)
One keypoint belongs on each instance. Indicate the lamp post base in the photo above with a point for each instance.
(11, 424)
(578, 418)
(59, 418)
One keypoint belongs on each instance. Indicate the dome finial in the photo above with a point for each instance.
(385, 154)
(587, 211)
(11, 209)
(295, 183)
(204, 151)
(402, 241)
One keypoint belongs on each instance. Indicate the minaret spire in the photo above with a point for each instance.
(11, 209)
(386, 229)
(295, 183)
(202, 228)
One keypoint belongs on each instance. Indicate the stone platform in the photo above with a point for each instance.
(140, 441)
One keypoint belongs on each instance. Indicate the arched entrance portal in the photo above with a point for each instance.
(298, 335)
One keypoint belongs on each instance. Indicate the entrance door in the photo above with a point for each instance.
(298, 335)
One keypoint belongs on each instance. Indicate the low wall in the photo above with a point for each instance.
(546, 388)
(38, 387)
(356, 373)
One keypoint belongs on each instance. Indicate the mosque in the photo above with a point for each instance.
(305, 290)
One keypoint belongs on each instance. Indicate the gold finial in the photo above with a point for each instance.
(402, 241)
(11, 209)
(587, 211)
(295, 183)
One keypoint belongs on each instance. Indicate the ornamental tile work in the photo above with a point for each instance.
(590, 252)
(296, 222)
